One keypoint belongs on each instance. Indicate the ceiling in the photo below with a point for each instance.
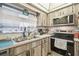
(48, 7)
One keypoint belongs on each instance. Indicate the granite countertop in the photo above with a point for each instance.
(26, 41)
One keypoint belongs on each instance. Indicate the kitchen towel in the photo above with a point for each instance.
(61, 43)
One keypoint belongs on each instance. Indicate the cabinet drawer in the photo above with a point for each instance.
(36, 43)
(22, 54)
(43, 41)
(19, 49)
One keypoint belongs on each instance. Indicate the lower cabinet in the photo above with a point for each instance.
(49, 45)
(26, 53)
(23, 50)
(76, 48)
(36, 51)
(22, 54)
(36, 48)
(19, 49)
(45, 46)
(44, 49)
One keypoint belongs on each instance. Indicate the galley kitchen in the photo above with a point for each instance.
(39, 29)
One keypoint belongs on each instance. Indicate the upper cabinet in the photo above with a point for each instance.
(70, 10)
(66, 11)
(77, 14)
(42, 19)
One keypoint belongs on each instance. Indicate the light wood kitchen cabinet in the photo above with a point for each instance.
(55, 14)
(70, 10)
(25, 53)
(76, 48)
(49, 45)
(22, 54)
(20, 49)
(36, 48)
(36, 51)
(39, 20)
(50, 18)
(42, 19)
(36, 43)
(23, 50)
(45, 47)
(64, 12)
(40, 47)
(43, 51)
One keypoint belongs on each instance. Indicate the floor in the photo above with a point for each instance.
(55, 54)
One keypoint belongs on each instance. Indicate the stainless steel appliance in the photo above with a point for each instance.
(70, 44)
(64, 20)
(4, 52)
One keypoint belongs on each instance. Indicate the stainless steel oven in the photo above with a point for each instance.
(70, 44)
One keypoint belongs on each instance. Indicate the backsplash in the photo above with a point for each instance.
(67, 29)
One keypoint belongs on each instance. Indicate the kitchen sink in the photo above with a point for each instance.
(36, 36)
(20, 39)
(6, 43)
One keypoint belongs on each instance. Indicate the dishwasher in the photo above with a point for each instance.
(4, 52)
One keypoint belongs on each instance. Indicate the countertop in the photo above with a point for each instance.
(27, 41)
(76, 40)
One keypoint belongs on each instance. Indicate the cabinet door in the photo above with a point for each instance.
(44, 50)
(65, 11)
(76, 48)
(44, 19)
(39, 20)
(19, 49)
(47, 48)
(70, 9)
(44, 47)
(36, 43)
(49, 45)
(36, 51)
(22, 54)
(28, 52)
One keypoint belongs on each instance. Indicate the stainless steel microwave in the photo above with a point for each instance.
(65, 20)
